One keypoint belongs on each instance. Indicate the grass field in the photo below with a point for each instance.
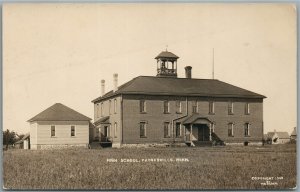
(202, 168)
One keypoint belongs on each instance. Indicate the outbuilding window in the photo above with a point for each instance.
(52, 130)
(72, 131)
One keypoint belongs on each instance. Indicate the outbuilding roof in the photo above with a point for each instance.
(150, 85)
(59, 112)
(281, 135)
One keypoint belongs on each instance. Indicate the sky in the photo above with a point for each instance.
(58, 53)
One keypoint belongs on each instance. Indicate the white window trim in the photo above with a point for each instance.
(109, 107)
(230, 108)
(247, 108)
(115, 106)
(115, 130)
(232, 127)
(97, 110)
(143, 109)
(51, 131)
(211, 107)
(247, 125)
(145, 129)
(101, 110)
(74, 131)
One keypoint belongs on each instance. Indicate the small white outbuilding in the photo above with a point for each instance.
(58, 127)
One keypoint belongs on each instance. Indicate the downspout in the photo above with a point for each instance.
(186, 101)
(121, 142)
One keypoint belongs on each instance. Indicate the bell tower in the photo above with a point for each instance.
(166, 64)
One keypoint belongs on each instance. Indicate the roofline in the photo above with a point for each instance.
(57, 120)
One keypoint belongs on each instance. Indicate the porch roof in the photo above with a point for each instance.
(193, 119)
(103, 120)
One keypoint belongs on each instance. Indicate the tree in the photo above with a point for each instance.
(9, 138)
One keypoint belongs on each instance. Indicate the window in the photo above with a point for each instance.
(166, 107)
(247, 109)
(72, 131)
(178, 106)
(109, 107)
(52, 130)
(115, 106)
(142, 129)
(194, 107)
(167, 129)
(142, 106)
(178, 130)
(230, 108)
(247, 129)
(97, 110)
(230, 129)
(115, 130)
(101, 110)
(211, 107)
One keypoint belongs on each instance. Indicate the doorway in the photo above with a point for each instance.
(203, 132)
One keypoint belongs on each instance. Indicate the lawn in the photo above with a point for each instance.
(244, 167)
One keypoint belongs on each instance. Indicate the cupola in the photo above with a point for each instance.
(166, 64)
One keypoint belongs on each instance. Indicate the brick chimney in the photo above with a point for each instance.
(102, 87)
(188, 72)
(115, 82)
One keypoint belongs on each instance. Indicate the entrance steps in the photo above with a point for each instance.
(202, 143)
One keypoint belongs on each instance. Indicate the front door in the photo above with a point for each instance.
(203, 132)
(105, 131)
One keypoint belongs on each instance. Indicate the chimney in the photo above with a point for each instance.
(115, 82)
(102, 87)
(188, 72)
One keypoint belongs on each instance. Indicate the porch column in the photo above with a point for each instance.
(191, 126)
(210, 132)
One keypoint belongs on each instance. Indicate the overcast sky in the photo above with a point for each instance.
(58, 53)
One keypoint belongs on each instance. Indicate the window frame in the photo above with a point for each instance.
(97, 110)
(247, 127)
(211, 107)
(166, 105)
(144, 129)
(178, 105)
(247, 108)
(101, 109)
(230, 129)
(73, 126)
(115, 106)
(53, 131)
(180, 130)
(115, 130)
(168, 135)
(143, 106)
(230, 108)
(195, 106)
(109, 107)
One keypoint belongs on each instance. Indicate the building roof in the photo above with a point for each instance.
(59, 112)
(102, 120)
(166, 55)
(281, 135)
(26, 136)
(150, 85)
(192, 118)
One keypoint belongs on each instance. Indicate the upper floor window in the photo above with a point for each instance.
(230, 108)
(178, 130)
(115, 105)
(195, 107)
(115, 129)
(142, 106)
(72, 131)
(97, 110)
(212, 107)
(142, 129)
(178, 107)
(166, 107)
(230, 129)
(247, 129)
(52, 130)
(247, 108)
(102, 113)
(167, 132)
(109, 107)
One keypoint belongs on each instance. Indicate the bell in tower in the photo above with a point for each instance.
(166, 64)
